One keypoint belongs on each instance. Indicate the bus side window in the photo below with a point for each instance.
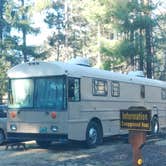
(115, 89)
(74, 89)
(163, 94)
(142, 91)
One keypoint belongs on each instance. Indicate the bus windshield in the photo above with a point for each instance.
(46, 92)
(21, 93)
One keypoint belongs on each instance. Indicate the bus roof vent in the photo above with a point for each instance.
(136, 74)
(80, 61)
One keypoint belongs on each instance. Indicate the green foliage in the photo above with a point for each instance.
(14, 16)
(133, 19)
(55, 18)
(94, 11)
(41, 5)
(107, 65)
(19, 18)
(118, 52)
(70, 36)
(83, 28)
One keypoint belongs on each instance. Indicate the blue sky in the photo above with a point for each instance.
(44, 31)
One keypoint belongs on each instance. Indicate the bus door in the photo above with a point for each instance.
(74, 98)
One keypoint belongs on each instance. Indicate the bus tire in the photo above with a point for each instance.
(93, 135)
(2, 137)
(154, 126)
(43, 144)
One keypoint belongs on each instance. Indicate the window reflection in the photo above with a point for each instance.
(22, 93)
(49, 93)
(74, 89)
(38, 92)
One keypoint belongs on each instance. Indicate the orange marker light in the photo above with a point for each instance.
(13, 114)
(53, 115)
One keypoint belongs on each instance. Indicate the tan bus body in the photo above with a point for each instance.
(89, 113)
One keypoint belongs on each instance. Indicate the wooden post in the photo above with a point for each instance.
(138, 122)
(137, 140)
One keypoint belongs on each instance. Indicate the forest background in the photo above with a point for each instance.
(117, 35)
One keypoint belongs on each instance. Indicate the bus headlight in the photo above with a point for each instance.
(54, 128)
(13, 127)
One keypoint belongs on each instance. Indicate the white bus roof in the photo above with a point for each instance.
(41, 69)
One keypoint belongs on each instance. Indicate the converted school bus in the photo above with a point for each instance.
(50, 101)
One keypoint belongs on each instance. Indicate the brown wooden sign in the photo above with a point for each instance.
(135, 119)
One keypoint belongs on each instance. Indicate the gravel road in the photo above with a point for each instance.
(114, 152)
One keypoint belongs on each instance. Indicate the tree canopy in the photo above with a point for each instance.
(118, 35)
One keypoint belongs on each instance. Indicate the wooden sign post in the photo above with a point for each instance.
(137, 121)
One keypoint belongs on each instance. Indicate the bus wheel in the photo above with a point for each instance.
(154, 126)
(43, 144)
(2, 137)
(93, 134)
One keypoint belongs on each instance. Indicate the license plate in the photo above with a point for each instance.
(43, 130)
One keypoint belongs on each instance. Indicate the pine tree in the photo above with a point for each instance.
(70, 37)
(55, 19)
(134, 22)
(20, 19)
(4, 36)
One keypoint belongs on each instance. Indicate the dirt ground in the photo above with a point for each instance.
(114, 152)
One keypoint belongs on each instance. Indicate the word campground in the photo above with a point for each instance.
(135, 125)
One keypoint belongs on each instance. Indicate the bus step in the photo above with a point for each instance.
(16, 146)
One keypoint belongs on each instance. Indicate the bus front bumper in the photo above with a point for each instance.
(36, 136)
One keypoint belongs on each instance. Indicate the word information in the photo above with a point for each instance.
(135, 119)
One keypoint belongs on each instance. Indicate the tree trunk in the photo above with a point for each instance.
(1, 21)
(148, 51)
(132, 47)
(148, 35)
(141, 61)
(24, 45)
(24, 33)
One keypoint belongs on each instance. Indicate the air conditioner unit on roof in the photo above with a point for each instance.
(136, 73)
(80, 61)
